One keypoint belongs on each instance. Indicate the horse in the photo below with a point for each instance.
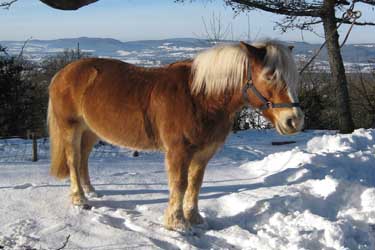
(185, 109)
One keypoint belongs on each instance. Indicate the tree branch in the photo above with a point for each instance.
(6, 5)
(290, 8)
(294, 22)
(345, 21)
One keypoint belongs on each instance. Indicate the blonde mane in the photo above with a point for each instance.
(224, 67)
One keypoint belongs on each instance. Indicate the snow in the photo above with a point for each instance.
(169, 47)
(318, 193)
(364, 45)
(145, 63)
(123, 52)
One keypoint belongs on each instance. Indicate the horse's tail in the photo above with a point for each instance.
(59, 166)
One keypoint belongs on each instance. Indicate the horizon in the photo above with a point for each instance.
(139, 20)
(170, 38)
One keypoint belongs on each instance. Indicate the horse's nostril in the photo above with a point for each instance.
(290, 123)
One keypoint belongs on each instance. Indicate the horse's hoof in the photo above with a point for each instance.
(194, 217)
(79, 200)
(176, 222)
(179, 226)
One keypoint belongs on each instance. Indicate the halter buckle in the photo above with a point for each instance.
(269, 104)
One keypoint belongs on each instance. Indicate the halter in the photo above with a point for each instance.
(266, 103)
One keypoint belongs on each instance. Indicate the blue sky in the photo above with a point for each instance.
(150, 19)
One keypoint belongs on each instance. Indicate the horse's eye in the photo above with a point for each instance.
(270, 78)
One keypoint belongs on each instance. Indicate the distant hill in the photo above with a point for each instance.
(355, 53)
(155, 52)
(145, 52)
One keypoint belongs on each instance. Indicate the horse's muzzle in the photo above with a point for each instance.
(290, 124)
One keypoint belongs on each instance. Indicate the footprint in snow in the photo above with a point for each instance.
(112, 221)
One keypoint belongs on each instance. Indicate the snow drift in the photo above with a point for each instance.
(316, 194)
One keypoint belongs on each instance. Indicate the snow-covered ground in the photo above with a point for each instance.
(318, 193)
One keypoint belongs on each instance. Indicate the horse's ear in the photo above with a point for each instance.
(291, 47)
(254, 52)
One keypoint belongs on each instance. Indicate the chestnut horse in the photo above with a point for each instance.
(185, 109)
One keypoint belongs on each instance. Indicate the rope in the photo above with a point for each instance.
(350, 14)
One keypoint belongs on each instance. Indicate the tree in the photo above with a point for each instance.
(363, 98)
(24, 90)
(15, 95)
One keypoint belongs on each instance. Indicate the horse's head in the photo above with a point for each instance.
(271, 85)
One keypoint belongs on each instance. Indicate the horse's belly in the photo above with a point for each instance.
(129, 128)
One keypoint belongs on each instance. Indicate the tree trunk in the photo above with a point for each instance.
(336, 63)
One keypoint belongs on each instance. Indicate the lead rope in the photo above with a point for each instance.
(350, 14)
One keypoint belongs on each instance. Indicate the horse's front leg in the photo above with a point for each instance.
(177, 161)
(195, 179)
(191, 211)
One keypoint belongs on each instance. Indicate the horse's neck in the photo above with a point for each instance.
(215, 107)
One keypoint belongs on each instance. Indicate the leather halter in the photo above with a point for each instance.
(266, 103)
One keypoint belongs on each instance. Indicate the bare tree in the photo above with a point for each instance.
(363, 97)
(215, 30)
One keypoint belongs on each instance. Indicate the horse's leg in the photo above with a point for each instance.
(195, 179)
(88, 141)
(196, 173)
(73, 135)
(177, 161)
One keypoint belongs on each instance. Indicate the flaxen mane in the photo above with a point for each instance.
(224, 67)
(218, 69)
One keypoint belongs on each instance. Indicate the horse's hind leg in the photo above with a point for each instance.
(72, 138)
(87, 143)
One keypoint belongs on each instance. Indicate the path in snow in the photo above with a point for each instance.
(316, 194)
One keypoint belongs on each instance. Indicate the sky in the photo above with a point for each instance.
(129, 20)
